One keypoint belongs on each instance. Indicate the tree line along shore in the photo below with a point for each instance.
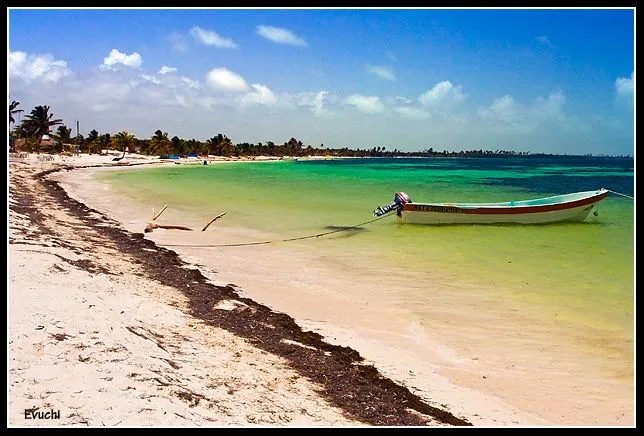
(41, 132)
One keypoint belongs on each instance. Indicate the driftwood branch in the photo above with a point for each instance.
(154, 217)
(213, 220)
(153, 225)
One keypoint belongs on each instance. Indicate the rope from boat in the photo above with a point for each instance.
(623, 195)
(275, 240)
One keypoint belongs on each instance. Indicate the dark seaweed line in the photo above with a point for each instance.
(358, 389)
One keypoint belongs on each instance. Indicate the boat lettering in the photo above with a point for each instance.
(432, 208)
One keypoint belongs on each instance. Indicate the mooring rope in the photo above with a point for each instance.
(623, 195)
(343, 229)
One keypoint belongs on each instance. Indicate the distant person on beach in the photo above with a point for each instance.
(205, 162)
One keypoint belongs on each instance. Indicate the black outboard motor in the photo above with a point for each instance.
(400, 199)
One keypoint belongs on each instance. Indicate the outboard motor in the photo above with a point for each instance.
(400, 199)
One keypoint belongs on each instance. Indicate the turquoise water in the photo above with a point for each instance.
(582, 273)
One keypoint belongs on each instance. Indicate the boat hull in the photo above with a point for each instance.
(572, 210)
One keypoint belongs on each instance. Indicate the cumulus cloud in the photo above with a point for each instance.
(191, 83)
(167, 70)
(260, 96)
(116, 57)
(133, 99)
(209, 37)
(29, 67)
(503, 109)
(551, 107)
(280, 35)
(222, 79)
(364, 103)
(104, 91)
(506, 114)
(318, 103)
(442, 95)
(151, 79)
(313, 100)
(383, 72)
(625, 85)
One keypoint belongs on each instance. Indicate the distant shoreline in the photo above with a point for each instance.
(308, 157)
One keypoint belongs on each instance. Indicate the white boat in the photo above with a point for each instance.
(559, 208)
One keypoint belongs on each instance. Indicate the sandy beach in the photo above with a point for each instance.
(105, 329)
(108, 328)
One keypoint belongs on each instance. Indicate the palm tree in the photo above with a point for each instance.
(39, 121)
(160, 143)
(92, 138)
(123, 140)
(13, 110)
(63, 134)
(103, 141)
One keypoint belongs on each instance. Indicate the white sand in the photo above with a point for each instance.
(121, 350)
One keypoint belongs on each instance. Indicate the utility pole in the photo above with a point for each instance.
(77, 138)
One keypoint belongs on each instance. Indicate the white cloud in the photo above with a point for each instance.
(36, 67)
(503, 109)
(209, 37)
(280, 35)
(550, 107)
(222, 79)
(191, 83)
(107, 94)
(413, 113)
(178, 42)
(381, 71)
(364, 103)
(625, 85)
(116, 57)
(318, 103)
(140, 101)
(262, 95)
(167, 70)
(151, 79)
(442, 95)
(314, 100)
(206, 102)
(505, 114)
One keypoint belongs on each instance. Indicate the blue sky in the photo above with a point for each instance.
(538, 80)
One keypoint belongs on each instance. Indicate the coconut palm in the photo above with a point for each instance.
(93, 135)
(92, 139)
(123, 140)
(39, 122)
(12, 110)
(63, 134)
(220, 145)
(160, 143)
(103, 142)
